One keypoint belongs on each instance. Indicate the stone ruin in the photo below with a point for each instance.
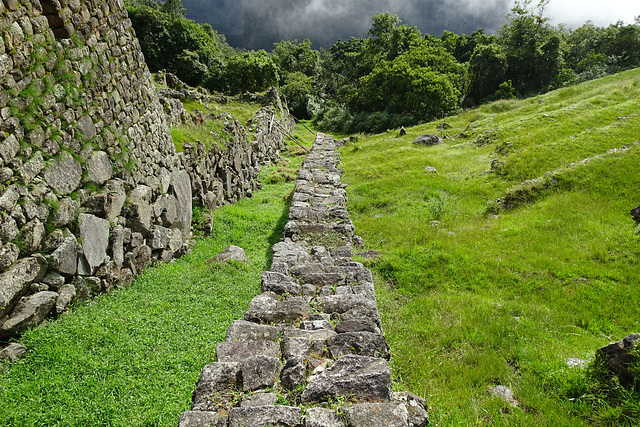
(313, 337)
(92, 189)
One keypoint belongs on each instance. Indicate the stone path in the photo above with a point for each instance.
(310, 351)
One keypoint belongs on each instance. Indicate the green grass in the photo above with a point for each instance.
(132, 357)
(470, 299)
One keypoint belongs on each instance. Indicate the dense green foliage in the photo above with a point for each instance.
(396, 75)
(473, 296)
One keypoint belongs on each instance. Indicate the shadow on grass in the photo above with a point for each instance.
(277, 234)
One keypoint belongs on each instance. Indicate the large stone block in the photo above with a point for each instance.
(241, 330)
(15, 282)
(99, 168)
(63, 174)
(215, 388)
(276, 416)
(29, 312)
(199, 419)
(238, 351)
(181, 187)
(260, 372)
(377, 414)
(94, 233)
(364, 378)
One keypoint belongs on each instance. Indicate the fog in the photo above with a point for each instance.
(257, 24)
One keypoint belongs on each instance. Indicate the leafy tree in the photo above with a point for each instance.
(173, 8)
(298, 90)
(425, 82)
(487, 69)
(172, 42)
(244, 72)
(294, 57)
(532, 47)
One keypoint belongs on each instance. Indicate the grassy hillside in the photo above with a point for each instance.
(475, 296)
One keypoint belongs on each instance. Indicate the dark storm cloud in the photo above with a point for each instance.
(260, 23)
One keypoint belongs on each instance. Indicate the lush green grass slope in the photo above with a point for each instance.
(132, 357)
(473, 296)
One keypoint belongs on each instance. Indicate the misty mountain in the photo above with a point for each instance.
(257, 24)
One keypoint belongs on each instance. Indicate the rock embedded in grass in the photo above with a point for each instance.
(428, 139)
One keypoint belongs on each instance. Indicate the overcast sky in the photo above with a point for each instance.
(257, 24)
(602, 12)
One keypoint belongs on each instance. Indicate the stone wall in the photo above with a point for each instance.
(313, 338)
(91, 187)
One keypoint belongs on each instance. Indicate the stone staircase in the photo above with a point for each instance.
(310, 351)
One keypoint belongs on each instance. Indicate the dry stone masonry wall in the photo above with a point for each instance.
(91, 187)
(309, 351)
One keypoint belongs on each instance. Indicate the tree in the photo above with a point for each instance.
(173, 8)
(425, 82)
(487, 69)
(298, 90)
(532, 47)
(244, 72)
(294, 57)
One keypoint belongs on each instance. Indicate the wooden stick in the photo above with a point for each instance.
(305, 126)
(292, 137)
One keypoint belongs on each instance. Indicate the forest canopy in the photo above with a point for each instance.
(395, 75)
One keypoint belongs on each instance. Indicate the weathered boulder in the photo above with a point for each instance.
(65, 257)
(241, 330)
(65, 212)
(260, 372)
(268, 308)
(350, 307)
(160, 237)
(215, 388)
(86, 127)
(362, 343)
(259, 399)
(504, 393)
(357, 325)
(94, 233)
(274, 416)
(29, 312)
(428, 140)
(9, 254)
(364, 378)
(140, 208)
(635, 214)
(377, 414)
(63, 174)
(294, 373)
(199, 419)
(620, 357)
(13, 352)
(66, 294)
(15, 282)
(323, 417)
(279, 283)
(32, 234)
(238, 351)
(181, 185)
(298, 342)
(230, 253)
(416, 408)
(99, 168)
(314, 325)
(9, 198)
